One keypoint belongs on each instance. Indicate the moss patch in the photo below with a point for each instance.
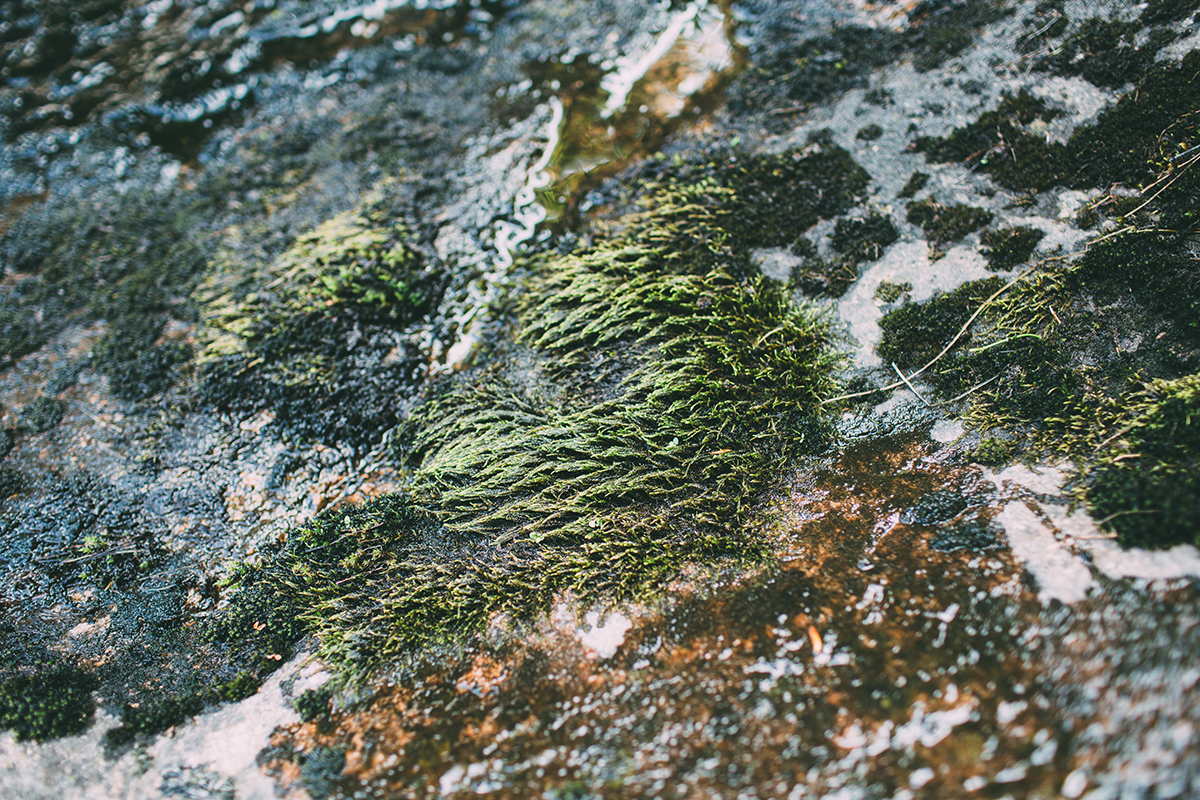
(46, 704)
(945, 225)
(1009, 247)
(650, 396)
(324, 341)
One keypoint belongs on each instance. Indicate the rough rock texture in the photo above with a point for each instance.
(539, 398)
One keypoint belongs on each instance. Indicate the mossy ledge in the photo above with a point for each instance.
(652, 389)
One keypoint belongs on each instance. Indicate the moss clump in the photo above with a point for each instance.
(993, 451)
(864, 239)
(650, 397)
(1146, 483)
(43, 414)
(325, 341)
(54, 702)
(8, 441)
(1009, 247)
(869, 133)
(916, 182)
(153, 716)
(241, 686)
(915, 333)
(946, 224)
(312, 703)
(1001, 143)
(890, 292)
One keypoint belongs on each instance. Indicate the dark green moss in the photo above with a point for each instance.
(890, 292)
(762, 200)
(43, 414)
(46, 704)
(313, 703)
(152, 716)
(1130, 143)
(138, 366)
(916, 332)
(1158, 12)
(1103, 52)
(916, 183)
(864, 239)
(8, 441)
(1146, 486)
(869, 134)
(1000, 143)
(946, 224)
(240, 687)
(1009, 247)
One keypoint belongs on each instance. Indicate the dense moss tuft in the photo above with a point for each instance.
(1009, 247)
(1146, 485)
(52, 702)
(945, 225)
(649, 398)
(42, 414)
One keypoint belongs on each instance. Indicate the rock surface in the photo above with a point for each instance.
(555, 399)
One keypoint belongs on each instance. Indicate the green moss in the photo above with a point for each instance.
(1146, 482)
(869, 134)
(42, 414)
(1103, 52)
(239, 687)
(993, 451)
(1009, 247)
(916, 332)
(916, 183)
(1001, 143)
(312, 703)
(650, 397)
(8, 440)
(890, 292)
(1130, 143)
(322, 339)
(153, 716)
(53, 702)
(946, 224)
(864, 239)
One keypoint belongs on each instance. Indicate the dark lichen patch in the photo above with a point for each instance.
(1146, 482)
(1009, 247)
(47, 703)
(42, 414)
(945, 225)
(972, 534)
